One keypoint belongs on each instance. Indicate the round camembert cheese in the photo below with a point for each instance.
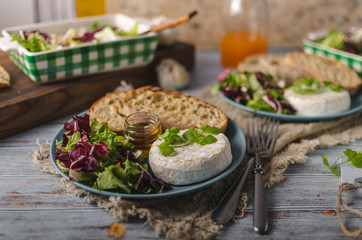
(193, 163)
(324, 102)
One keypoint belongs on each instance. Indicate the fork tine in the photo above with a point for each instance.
(248, 147)
(260, 134)
(272, 136)
(253, 137)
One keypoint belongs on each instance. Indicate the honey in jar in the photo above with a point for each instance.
(143, 129)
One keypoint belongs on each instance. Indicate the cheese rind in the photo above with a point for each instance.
(324, 102)
(193, 163)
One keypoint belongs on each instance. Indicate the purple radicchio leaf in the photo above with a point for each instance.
(272, 102)
(79, 123)
(87, 37)
(43, 34)
(264, 82)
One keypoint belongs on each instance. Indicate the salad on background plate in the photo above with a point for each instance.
(260, 94)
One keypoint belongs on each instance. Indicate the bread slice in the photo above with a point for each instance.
(325, 69)
(110, 109)
(175, 108)
(4, 78)
(272, 64)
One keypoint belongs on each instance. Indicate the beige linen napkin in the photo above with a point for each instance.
(188, 216)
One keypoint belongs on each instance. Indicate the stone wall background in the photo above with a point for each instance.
(291, 20)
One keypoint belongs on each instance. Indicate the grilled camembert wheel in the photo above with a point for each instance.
(193, 163)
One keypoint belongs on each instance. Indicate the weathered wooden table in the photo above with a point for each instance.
(34, 205)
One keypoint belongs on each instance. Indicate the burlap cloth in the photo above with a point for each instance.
(188, 216)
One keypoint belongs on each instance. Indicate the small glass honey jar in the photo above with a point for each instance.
(143, 129)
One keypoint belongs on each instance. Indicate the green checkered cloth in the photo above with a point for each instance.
(351, 60)
(86, 59)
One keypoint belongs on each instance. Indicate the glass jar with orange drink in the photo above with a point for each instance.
(246, 29)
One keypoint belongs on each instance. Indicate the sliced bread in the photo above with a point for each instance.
(272, 64)
(110, 109)
(4, 78)
(174, 108)
(325, 69)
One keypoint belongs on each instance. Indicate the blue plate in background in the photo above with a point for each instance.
(356, 106)
(238, 149)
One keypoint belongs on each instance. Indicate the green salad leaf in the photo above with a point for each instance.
(258, 103)
(104, 160)
(34, 43)
(353, 157)
(72, 140)
(235, 80)
(133, 31)
(334, 39)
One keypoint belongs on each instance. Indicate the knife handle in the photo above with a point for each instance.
(260, 213)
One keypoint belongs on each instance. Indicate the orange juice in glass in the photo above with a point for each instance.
(237, 45)
(245, 24)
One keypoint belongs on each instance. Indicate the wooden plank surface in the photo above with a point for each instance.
(34, 205)
(26, 104)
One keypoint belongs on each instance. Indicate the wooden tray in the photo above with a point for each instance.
(26, 104)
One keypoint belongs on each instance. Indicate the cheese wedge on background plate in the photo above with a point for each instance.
(325, 102)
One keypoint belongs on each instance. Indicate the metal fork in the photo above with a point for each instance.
(261, 138)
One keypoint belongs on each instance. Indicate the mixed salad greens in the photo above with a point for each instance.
(37, 41)
(258, 91)
(103, 160)
(254, 90)
(350, 41)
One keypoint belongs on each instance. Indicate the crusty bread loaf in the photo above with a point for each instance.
(4, 78)
(272, 64)
(110, 109)
(325, 69)
(174, 108)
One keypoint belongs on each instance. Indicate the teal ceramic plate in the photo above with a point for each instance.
(238, 149)
(356, 106)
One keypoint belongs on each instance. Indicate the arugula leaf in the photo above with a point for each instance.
(172, 139)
